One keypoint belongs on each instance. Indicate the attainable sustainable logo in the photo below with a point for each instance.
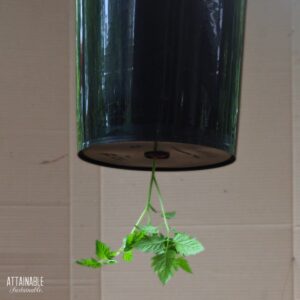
(25, 284)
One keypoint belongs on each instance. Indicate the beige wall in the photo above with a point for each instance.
(296, 144)
(34, 175)
(243, 213)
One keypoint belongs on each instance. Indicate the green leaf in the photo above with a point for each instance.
(128, 256)
(184, 265)
(132, 239)
(165, 265)
(170, 215)
(89, 262)
(151, 244)
(187, 245)
(149, 229)
(103, 251)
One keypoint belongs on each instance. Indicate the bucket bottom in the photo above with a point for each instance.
(138, 155)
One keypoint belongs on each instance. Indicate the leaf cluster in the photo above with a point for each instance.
(169, 253)
(169, 249)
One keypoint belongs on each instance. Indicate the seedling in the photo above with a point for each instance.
(169, 247)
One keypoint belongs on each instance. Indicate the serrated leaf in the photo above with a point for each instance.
(132, 239)
(103, 251)
(164, 265)
(187, 245)
(184, 264)
(149, 229)
(128, 256)
(151, 244)
(170, 215)
(89, 262)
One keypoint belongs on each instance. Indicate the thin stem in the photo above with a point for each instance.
(150, 192)
(147, 207)
(161, 202)
(151, 183)
(139, 220)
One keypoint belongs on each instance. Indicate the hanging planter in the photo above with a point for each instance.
(159, 78)
(158, 86)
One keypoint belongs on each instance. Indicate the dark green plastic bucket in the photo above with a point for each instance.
(159, 79)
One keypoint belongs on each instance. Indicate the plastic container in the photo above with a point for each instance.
(159, 79)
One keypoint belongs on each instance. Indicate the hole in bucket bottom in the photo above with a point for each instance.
(157, 155)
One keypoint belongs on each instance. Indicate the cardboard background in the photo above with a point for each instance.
(53, 206)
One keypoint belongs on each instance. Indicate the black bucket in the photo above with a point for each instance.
(159, 79)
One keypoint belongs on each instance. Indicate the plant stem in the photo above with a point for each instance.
(147, 207)
(151, 183)
(150, 191)
(140, 219)
(161, 201)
